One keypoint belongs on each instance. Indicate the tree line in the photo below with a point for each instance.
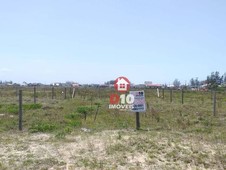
(213, 81)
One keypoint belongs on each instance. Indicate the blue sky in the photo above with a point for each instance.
(93, 41)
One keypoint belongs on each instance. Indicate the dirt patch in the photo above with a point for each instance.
(118, 149)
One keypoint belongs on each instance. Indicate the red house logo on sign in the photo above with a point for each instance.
(122, 84)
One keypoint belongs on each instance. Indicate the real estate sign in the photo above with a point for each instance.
(139, 104)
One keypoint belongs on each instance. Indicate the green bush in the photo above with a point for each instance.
(74, 123)
(14, 109)
(32, 106)
(42, 127)
(72, 116)
(84, 110)
(73, 119)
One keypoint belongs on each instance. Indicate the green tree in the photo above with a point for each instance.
(192, 82)
(111, 82)
(214, 80)
(197, 83)
(224, 78)
(176, 83)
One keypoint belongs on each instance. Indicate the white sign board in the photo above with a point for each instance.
(139, 104)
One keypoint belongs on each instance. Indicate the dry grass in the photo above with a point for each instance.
(56, 135)
(116, 149)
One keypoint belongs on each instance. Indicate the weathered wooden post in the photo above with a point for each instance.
(158, 92)
(171, 95)
(52, 92)
(73, 93)
(138, 105)
(70, 91)
(34, 94)
(65, 93)
(98, 106)
(137, 120)
(214, 103)
(20, 110)
(163, 94)
(182, 96)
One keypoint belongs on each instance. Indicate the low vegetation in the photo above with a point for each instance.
(82, 132)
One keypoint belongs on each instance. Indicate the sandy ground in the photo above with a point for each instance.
(118, 149)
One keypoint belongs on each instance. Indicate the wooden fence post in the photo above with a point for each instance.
(65, 93)
(70, 91)
(182, 96)
(98, 106)
(214, 103)
(158, 92)
(73, 93)
(34, 94)
(52, 92)
(171, 95)
(163, 94)
(20, 110)
(137, 120)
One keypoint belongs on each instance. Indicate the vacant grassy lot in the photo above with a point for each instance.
(82, 133)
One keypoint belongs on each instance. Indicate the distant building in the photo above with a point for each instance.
(149, 84)
(170, 86)
(56, 84)
(139, 86)
(75, 85)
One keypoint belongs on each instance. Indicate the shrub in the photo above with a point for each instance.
(32, 106)
(84, 110)
(72, 116)
(73, 119)
(12, 109)
(42, 127)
